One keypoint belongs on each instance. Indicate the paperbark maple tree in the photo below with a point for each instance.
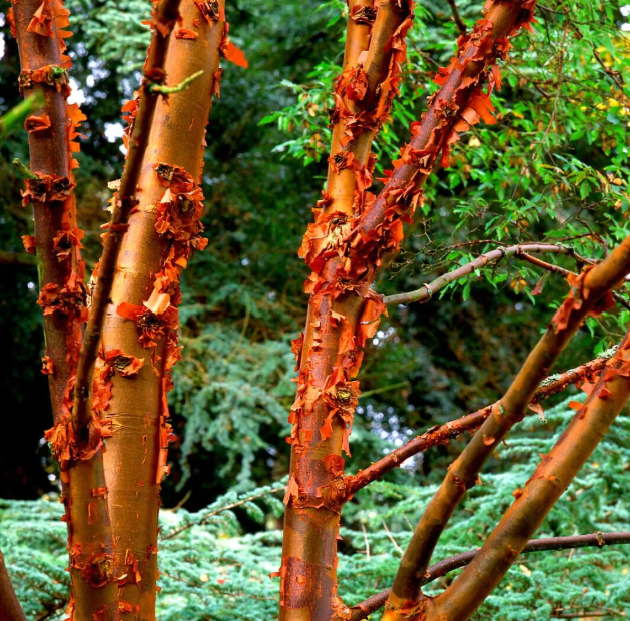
(109, 381)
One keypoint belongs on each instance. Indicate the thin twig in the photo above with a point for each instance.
(391, 538)
(612, 74)
(178, 88)
(371, 605)
(233, 505)
(367, 543)
(457, 17)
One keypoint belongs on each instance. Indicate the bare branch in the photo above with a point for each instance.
(371, 605)
(445, 433)
(550, 480)
(588, 296)
(457, 18)
(426, 292)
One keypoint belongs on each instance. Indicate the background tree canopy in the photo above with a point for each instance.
(553, 168)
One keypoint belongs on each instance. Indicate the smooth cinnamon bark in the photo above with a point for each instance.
(10, 609)
(140, 331)
(164, 16)
(39, 28)
(326, 394)
(538, 496)
(443, 434)
(590, 294)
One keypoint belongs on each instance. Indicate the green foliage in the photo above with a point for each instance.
(553, 168)
(211, 569)
(230, 392)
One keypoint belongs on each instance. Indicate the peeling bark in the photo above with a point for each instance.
(338, 324)
(39, 29)
(141, 322)
(344, 249)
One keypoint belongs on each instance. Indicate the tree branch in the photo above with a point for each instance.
(374, 57)
(520, 251)
(39, 29)
(207, 516)
(372, 604)
(444, 433)
(550, 480)
(163, 21)
(426, 292)
(587, 297)
(457, 17)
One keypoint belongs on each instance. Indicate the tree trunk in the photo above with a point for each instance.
(10, 609)
(39, 31)
(142, 321)
(333, 337)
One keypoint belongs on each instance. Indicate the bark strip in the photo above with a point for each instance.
(139, 337)
(39, 26)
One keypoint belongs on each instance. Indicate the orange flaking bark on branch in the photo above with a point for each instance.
(142, 320)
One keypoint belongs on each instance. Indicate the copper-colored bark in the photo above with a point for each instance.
(10, 609)
(141, 321)
(589, 295)
(49, 156)
(344, 249)
(326, 396)
(39, 28)
(540, 493)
